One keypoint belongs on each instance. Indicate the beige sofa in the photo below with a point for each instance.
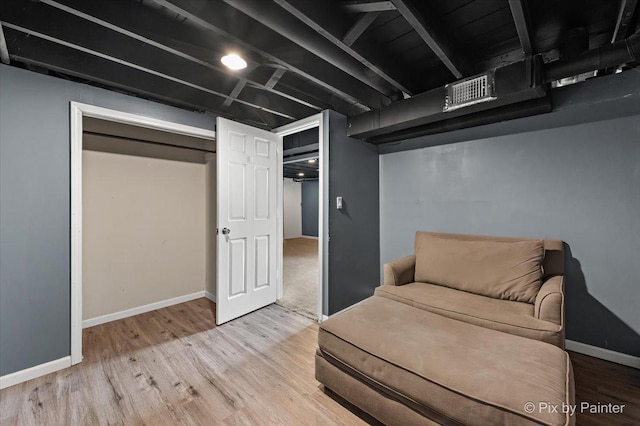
(469, 330)
(540, 317)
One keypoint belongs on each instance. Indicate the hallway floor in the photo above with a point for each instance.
(300, 257)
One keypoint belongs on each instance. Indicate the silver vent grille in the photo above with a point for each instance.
(470, 91)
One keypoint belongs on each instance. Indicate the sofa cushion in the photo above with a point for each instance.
(508, 270)
(502, 315)
(472, 375)
(388, 409)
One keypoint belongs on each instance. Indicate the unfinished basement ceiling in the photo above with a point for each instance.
(301, 171)
(300, 155)
(303, 55)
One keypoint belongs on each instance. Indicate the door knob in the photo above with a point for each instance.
(226, 231)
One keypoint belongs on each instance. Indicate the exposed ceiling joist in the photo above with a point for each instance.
(303, 150)
(320, 18)
(431, 36)
(77, 31)
(301, 157)
(520, 13)
(4, 52)
(310, 67)
(625, 15)
(301, 167)
(501, 60)
(169, 49)
(140, 68)
(126, 87)
(374, 6)
(307, 34)
(303, 55)
(304, 167)
(364, 21)
(275, 78)
(298, 86)
(234, 93)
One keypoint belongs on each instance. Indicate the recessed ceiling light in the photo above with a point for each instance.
(313, 160)
(234, 62)
(301, 174)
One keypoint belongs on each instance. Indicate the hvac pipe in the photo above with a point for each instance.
(610, 55)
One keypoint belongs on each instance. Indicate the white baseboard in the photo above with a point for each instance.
(210, 296)
(34, 372)
(309, 236)
(325, 317)
(59, 364)
(142, 309)
(606, 354)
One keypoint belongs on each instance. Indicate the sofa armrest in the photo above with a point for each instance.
(549, 304)
(400, 271)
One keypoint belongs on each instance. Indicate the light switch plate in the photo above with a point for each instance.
(339, 203)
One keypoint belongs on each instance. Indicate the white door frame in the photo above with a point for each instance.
(321, 121)
(78, 111)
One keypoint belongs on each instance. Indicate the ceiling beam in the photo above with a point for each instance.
(501, 60)
(360, 26)
(163, 46)
(298, 86)
(126, 87)
(428, 31)
(4, 51)
(73, 64)
(128, 64)
(325, 21)
(305, 33)
(625, 15)
(374, 6)
(234, 93)
(301, 157)
(520, 13)
(211, 16)
(275, 77)
(301, 150)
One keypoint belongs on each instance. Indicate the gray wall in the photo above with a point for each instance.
(310, 208)
(34, 208)
(354, 244)
(573, 174)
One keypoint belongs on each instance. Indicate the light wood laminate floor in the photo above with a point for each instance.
(174, 366)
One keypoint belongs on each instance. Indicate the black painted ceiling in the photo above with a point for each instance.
(304, 55)
(303, 170)
(300, 155)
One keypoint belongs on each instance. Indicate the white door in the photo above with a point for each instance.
(247, 219)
